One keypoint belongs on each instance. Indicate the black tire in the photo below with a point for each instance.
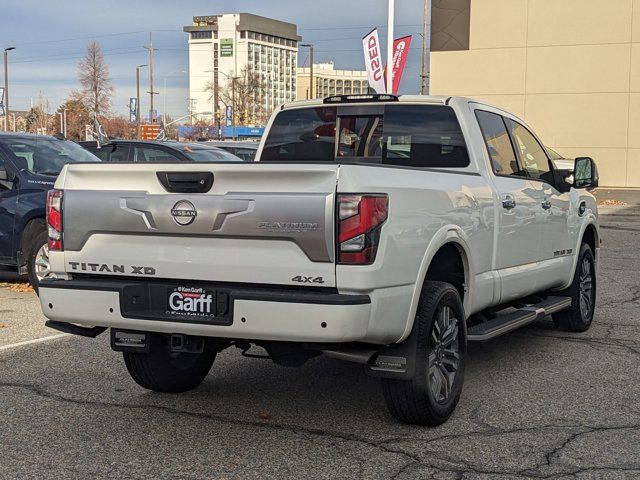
(413, 401)
(35, 237)
(163, 371)
(577, 318)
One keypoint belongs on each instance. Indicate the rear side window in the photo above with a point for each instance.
(419, 136)
(423, 136)
(496, 137)
(112, 153)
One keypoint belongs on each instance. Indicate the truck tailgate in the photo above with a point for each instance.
(258, 223)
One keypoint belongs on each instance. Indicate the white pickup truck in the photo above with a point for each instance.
(375, 229)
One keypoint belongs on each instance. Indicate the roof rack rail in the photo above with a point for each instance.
(364, 97)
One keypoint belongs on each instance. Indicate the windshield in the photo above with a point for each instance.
(209, 154)
(419, 136)
(46, 156)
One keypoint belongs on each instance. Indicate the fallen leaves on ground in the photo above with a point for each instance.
(17, 287)
(264, 416)
(3, 325)
(612, 203)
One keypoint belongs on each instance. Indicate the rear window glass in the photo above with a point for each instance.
(302, 135)
(416, 136)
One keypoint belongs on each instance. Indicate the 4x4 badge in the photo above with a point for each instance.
(184, 213)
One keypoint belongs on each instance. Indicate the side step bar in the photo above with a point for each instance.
(512, 321)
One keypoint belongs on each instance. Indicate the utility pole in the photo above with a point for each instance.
(151, 91)
(310, 68)
(138, 99)
(423, 75)
(390, 46)
(6, 87)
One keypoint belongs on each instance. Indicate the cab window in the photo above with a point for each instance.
(152, 154)
(499, 146)
(531, 154)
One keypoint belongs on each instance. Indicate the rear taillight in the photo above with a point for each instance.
(54, 219)
(360, 219)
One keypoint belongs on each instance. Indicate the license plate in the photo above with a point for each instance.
(191, 303)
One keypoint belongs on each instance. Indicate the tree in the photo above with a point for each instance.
(38, 119)
(93, 73)
(250, 93)
(78, 116)
(35, 119)
(118, 127)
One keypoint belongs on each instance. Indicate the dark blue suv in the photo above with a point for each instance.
(29, 165)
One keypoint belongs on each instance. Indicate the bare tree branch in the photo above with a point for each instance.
(251, 91)
(93, 73)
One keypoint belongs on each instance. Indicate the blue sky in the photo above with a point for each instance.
(50, 38)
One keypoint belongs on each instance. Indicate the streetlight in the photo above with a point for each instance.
(138, 96)
(164, 96)
(6, 87)
(310, 46)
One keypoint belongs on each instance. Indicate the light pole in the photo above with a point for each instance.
(138, 97)
(6, 87)
(233, 101)
(164, 94)
(390, 25)
(310, 46)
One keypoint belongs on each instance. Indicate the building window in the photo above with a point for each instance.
(201, 35)
(243, 34)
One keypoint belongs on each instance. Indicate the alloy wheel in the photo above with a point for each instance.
(586, 289)
(444, 354)
(42, 264)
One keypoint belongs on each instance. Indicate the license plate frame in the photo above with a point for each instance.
(191, 303)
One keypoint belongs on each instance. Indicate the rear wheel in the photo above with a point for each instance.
(37, 252)
(162, 370)
(432, 395)
(579, 316)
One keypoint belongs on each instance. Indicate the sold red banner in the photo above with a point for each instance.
(373, 61)
(400, 54)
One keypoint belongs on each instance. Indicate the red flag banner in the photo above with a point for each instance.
(400, 54)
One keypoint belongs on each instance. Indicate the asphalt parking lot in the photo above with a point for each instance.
(537, 403)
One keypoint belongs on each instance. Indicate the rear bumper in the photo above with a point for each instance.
(255, 314)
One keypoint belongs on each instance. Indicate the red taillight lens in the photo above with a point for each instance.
(54, 219)
(360, 219)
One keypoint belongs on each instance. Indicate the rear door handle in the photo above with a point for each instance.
(508, 202)
(546, 204)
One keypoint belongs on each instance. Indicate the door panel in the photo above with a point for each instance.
(517, 235)
(8, 199)
(553, 207)
(518, 222)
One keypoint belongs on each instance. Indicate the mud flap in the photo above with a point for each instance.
(396, 361)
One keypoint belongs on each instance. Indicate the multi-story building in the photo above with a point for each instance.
(569, 68)
(222, 47)
(329, 81)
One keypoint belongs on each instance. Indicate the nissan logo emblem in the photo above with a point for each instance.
(184, 213)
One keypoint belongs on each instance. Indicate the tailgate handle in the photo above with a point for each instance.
(186, 182)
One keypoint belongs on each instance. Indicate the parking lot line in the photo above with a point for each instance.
(31, 342)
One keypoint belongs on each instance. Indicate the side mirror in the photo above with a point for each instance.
(585, 173)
